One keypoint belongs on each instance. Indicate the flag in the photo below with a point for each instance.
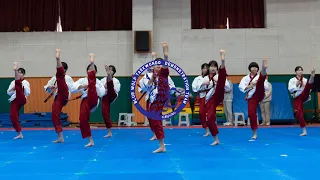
(227, 23)
(59, 27)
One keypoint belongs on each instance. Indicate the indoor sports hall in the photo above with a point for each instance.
(159, 89)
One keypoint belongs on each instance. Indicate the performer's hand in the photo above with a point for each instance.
(83, 87)
(253, 82)
(313, 72)
(298, 83)
(250, 86)
(154, 76)
(205, 83)
(13, 88)
(50, 87)
(58, 53)
(154, 55)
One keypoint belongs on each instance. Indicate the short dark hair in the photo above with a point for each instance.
(95, 67)
(65, 66)
(22, 70)
(204, 65)
(298, 68)
(253, 64)
(213, 63)
(113, 69)
(158, 59)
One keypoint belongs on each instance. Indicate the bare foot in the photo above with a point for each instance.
(89, 144)
(153, 138)
(264, 66)
(20, 136)
(91, 58)
(215, 143)
(160, 150)
(313, 73)
(254, 137)
(108, 135)
(15, 66)
(264, 63)
(58, 53)
(59, 140)
(91, 67)
(206, 134)
(303, 134)
(222, 54)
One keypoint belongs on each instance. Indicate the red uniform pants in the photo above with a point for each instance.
(254, 101)
(106, 103)
(16, 104)
(87, 104)
(298, 104)
(60, 99)
(202, 112)
(158, 104)
(214, 101)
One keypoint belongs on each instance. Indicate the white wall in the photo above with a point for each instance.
(291, 38)
(36, 51)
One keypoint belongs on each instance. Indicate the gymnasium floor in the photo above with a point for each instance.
(278, 154)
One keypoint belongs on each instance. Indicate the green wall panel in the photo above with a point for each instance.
(5, 105)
